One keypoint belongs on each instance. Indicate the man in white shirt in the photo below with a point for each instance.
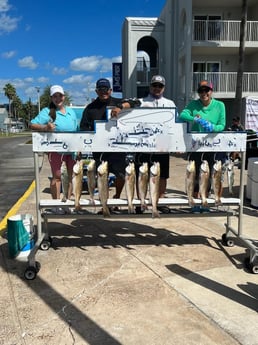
(156, 99)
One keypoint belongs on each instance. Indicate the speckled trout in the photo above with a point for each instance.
(143, 179)
(190, 181)
(154, 188)
(204, 177)
(102, 180)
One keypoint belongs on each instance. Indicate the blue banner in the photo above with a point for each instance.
(117, 76)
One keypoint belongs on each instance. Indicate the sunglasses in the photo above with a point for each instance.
(160, 86)
(206, 90)
(103, 89)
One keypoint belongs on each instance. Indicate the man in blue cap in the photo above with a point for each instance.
(97, 111)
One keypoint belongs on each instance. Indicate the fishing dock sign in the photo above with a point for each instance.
(140, 130)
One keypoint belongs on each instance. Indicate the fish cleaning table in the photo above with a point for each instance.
(139, 130)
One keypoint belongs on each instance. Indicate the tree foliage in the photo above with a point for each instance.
(26, 111)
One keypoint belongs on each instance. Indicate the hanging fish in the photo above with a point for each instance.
(77, 183)
(230, 176)
(102, 181)
(154, 188)
(130, 185)
(190, 181)
(64, 182)
(217, 181)
(91, 179)
(204, 177)
(143, 179)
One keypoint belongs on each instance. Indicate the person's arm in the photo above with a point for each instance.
(48, 127)
(125, 104)
(42, 122)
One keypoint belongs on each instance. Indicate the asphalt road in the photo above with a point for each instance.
(16, 170)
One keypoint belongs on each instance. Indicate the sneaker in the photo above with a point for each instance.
(196, 209)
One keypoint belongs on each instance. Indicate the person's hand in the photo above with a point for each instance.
(207, 125)
(115, 112)
(50, 127)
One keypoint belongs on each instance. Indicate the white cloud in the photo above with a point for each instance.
(27, 62)
(8, 55)
(94, 63)
(59, 71)
(88, 63)
(78, 79)
(7, 24)
(4, 6)
(43, 80)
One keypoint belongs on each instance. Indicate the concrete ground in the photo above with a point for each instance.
(133, 281)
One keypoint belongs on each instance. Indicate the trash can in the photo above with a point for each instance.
(20, 235)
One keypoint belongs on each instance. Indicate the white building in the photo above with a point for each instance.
(191, 40)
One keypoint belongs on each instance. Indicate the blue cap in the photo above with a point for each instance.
(103, 83)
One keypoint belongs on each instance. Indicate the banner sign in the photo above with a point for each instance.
(117, 76)
(251, 120)
(139, 130)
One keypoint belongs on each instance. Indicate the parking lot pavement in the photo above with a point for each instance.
(132, 281)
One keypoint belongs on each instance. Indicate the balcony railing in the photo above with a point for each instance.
(223, 30)
(225, 82)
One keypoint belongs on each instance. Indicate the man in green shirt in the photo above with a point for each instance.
(205, 115)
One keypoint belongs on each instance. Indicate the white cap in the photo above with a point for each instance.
(56, 88)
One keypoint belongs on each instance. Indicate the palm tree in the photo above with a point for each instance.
(10, 92)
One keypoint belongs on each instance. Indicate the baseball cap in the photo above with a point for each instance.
(204, 84)
(103, 83)
(56, 88)
(158, 79)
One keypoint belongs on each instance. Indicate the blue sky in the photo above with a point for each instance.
(71, 43)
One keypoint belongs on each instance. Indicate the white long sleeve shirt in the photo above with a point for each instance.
(152, 102)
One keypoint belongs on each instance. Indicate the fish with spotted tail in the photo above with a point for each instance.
(102, 181)
(154, 188)
(130, 185)
(190, 181)
(143, 179)
(204, 177)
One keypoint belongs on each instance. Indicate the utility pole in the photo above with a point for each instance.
(38, 90)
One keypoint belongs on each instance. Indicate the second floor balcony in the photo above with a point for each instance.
(224, 83)
(223, 30)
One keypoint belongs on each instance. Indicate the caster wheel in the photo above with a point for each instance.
(227, 241)
(30, 273)
(46, 244)
(254, 268)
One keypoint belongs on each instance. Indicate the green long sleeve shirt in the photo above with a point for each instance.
(214, 112)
